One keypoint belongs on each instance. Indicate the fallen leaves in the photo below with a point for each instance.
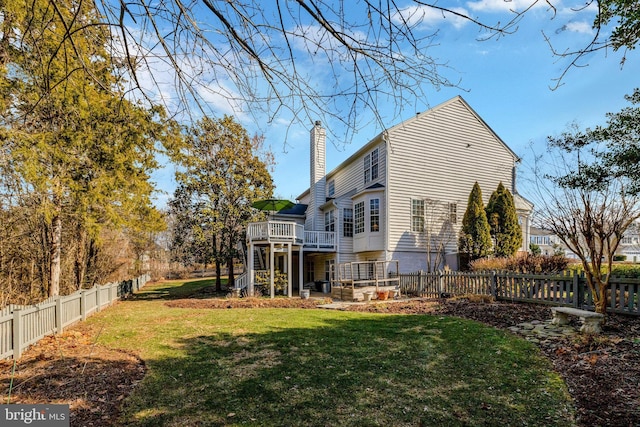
(70, 369)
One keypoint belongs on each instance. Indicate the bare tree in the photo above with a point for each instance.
(276, 57)
(589, 220)
(439, 234)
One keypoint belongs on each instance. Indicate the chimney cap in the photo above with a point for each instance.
(318, 123)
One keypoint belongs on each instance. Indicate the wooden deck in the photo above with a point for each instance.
(356, 293)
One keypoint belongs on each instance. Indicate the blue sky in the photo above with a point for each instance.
(507, 81)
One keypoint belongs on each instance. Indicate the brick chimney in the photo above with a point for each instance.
(317, 187)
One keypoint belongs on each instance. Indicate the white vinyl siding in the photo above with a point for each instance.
(439, 155)
(347, 178)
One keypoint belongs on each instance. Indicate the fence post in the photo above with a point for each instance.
(576, 290)
(58, 315)
(17, 334)
(83, 304)
(494, 285)
(98, 292)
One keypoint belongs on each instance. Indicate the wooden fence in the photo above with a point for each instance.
(566, 289)
(22, 326)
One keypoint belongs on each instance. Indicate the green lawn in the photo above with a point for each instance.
(299, 367)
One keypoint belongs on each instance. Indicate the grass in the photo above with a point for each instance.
(323, 367)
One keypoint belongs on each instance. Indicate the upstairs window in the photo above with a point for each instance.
(371, 166)
(330, 220)
(347, 222)
(374, 164)
(453, 213)
(358, 218)
(374, 214)
(417, 215)
(331, 189)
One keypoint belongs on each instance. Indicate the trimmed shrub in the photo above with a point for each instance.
(525, 263)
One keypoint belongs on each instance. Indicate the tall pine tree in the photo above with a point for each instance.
(503, 222)
(475, 235)
(83, 152)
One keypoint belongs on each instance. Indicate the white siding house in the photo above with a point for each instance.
(406, 187)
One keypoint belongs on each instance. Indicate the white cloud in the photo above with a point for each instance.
(505, 5)
(426, 16)
(582, 27)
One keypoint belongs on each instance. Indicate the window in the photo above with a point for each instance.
(453, 213)
(347, 222)
(330, 220)
(374, 164)
(309, 271)
(627, 240)
(329, 269)
(371, 166)
(374, 214)
(417, 215)
(331, 188)
(367, 168)
(541, 240)
(358, 218)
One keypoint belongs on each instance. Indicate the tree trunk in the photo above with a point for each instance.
(80, 263)
(231, 280)
(218, 276)
(55, 260)
(216, 259)
(600, 298)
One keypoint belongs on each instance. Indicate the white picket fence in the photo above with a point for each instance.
(22, 326)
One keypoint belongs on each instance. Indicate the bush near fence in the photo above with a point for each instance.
(22, 326)
(568, 288)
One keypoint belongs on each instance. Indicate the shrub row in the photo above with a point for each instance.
(526, 263)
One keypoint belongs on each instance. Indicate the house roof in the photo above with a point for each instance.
(535, 231)
(382, 135)
(376, 186)
(298, 209)
(521, 203)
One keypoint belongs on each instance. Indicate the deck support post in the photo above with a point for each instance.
(272, 266)
(300, 272)
(289, 270)
(251, 269)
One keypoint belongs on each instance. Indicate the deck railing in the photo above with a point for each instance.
(320, 239)
(283, 231)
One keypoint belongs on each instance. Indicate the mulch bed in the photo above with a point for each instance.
(601, 372)
(70, 369)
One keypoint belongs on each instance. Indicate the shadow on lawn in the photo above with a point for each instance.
(354, 370)
(196, 289)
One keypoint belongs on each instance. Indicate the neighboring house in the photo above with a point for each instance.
(630, 244)
(399, 197)
(551, 244)
(548, 242)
